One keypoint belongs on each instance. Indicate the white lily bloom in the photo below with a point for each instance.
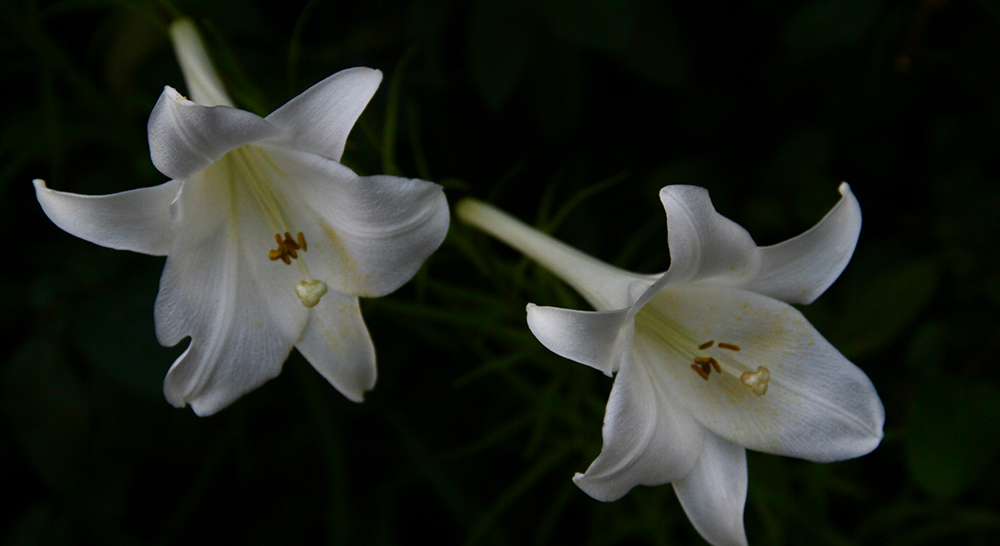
(710, 360)
(269, 239)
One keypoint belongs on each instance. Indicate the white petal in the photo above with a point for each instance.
(599, 339)
(218, 287)
(818, 405)
(185, 137)
(604, 286)
(703, 243)
(137, 220)
(715, 493)
(337, 344)
(202, 81)
(367, 235)
(319, 119)
(648, 438)
(800, 269)
(706, 246)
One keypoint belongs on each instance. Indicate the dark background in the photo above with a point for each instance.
(571, 115)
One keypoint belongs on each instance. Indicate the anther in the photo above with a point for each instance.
(287, 248)
(706, 345)
(757, 381)
(700, 371)
(729, 346)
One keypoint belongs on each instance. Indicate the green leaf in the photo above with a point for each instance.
(881, 308)
(115, 331)
(43, 400)
(825, 25)
(499, 43)
(952, 438)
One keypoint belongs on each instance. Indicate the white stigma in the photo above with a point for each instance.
(757, 381)
(310, 292)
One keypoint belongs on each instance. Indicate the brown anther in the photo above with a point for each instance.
(699, 371)
(287, 247)
(706, 345)
(729, 346)
(706, 363)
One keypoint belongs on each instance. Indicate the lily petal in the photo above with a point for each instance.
(703, 243)
(219, 288)
(600, 339)
(336, 343)
(706, 246)
(800, 269)
(371, 233)
(320, 119)
(714, 494)
(136, 220)
(186, 137)
(648, 438)
(818, 406)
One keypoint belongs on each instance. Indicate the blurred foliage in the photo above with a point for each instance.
(571, 115)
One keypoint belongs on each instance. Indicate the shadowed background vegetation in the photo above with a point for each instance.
(571, 115)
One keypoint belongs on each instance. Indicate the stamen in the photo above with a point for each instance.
(287, 248)
(757, 381)
(706, 345)
(729, 346)
(699, 371)
(715, 364)
(310, 292)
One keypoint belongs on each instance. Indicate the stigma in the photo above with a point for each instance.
(310, 292)
(757, 381)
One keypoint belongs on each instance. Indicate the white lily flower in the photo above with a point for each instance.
(710, 360)
(269, 239)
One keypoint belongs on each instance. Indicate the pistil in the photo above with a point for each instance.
(705, 365)
(309, 290)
